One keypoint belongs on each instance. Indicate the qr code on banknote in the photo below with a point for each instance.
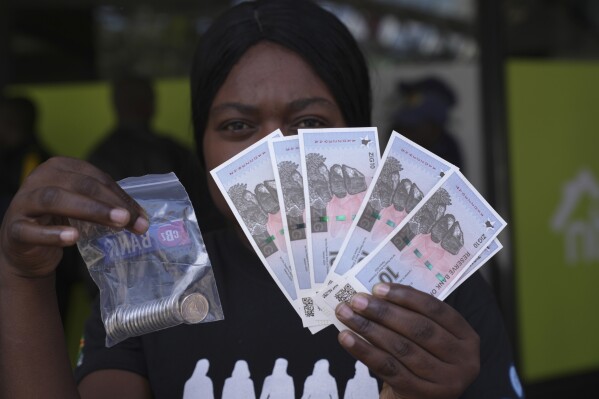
(345, 294)
(308, 306)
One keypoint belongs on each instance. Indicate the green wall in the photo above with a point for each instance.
(73, 117)
(553, 112)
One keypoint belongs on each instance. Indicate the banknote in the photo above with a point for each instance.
(408, 172)
(430, 249)
(286, 160)
(247, 183)
(338, 165)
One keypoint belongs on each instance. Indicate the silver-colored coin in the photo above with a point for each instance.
(114, 327)
(110, 323)
(170, 307)
(194, 308)
(129, 319)
(126, 320)
(175, 309)
(153, 314)
(164, 312)
(158, 311)
(138, 321)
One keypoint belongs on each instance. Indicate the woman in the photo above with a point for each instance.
(263, 65)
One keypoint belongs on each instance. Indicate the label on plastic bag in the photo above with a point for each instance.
(126, 245)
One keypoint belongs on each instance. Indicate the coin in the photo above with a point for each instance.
(194, 308)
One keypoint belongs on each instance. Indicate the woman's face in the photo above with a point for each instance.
(269, 88)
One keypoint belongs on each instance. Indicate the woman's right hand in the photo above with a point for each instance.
(36, 227)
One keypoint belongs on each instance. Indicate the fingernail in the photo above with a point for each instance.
(344, 311)
(346, 339)
(359, 302)
(141, 225)
(67, 235)
(381, 289)
(119, 216)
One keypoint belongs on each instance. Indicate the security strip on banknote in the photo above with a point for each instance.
(431, 248)
(286, 163)
(338, 165)
(247, 183)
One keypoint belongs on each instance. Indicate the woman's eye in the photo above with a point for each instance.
(306, 123)
(236, 126)
(236, 129)
(309, 123)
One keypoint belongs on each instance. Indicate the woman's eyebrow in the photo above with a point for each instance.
(242, 108)
(294, 106)
(302, 103)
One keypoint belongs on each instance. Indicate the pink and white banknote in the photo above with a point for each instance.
(338, 165)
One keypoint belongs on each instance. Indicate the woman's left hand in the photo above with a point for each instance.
(418, 345)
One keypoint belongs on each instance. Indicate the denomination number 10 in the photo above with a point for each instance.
(388, 275)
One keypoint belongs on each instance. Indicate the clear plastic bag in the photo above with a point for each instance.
(157, 280)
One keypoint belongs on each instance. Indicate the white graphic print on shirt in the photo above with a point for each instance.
(279, 384)
(239, 385)
(362, 385)
(199, 384)
(320, 384)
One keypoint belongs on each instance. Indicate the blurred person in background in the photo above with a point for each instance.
(20, 148)
(21, 151)
(423, 116)
(134, 148)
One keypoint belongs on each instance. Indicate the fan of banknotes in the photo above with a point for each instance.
(329, 217)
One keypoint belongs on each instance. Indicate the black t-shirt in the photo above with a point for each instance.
(261, 349)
